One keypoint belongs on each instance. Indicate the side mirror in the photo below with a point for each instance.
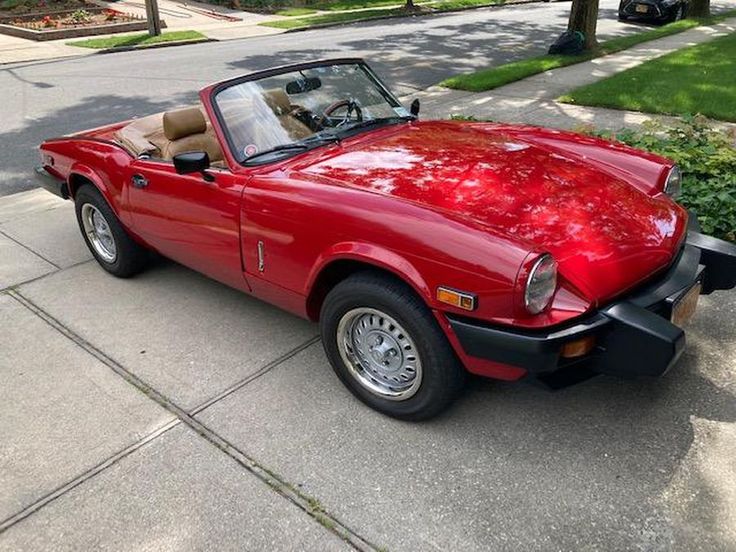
(414, 107)
(193, 161)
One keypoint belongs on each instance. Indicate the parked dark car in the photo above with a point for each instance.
(654, 11)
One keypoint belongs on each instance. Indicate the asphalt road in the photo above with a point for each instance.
(52, 98)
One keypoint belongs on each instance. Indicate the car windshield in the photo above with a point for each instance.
(275, 116)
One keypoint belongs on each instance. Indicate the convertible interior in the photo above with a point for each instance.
(166, 134)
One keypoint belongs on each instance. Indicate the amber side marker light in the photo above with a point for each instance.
(465, 301)
(578, 348)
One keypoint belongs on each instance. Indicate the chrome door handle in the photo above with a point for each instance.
(139, 181)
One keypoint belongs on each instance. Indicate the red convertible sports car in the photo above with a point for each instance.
(425, 249)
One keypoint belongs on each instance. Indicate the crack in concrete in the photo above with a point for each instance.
(42, 276)
(24, 246)
(60, 491)
(270, 478)
(245, 381)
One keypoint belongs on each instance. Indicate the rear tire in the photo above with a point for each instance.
(386, 347)
(105, 236)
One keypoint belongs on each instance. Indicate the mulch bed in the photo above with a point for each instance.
(87, 16)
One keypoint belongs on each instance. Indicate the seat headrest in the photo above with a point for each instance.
(278, 100)
(184, 122)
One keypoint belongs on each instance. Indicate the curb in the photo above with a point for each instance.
(405, 16)
(152, 46)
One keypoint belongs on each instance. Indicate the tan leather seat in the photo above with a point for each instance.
(278, 101)
(186, 130)
(165, 135)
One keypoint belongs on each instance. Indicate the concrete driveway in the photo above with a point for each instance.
(169, 412)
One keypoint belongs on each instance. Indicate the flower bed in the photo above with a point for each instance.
(69, 23)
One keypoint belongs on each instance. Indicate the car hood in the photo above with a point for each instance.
(606, 234)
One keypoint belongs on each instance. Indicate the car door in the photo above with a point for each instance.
(188, 219)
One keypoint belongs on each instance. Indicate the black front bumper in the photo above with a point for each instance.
(633, 336)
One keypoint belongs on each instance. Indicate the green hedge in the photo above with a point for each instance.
(707, 157)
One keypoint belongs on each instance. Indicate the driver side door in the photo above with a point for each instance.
(188, 219)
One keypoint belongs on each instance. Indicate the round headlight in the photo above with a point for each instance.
(674, 182)
(541, 284)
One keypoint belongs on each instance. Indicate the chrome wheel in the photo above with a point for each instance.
(99, 233)
(379, 354)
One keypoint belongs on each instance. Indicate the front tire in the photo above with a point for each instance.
(105, 236)
(386, 347)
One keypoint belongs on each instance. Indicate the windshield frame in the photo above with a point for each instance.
(258, 75)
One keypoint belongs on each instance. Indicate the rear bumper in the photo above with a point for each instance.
(52, 183)
(633, 336)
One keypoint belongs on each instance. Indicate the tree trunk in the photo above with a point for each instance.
(409, 5)
(584, 18)
(698, 9)
(154, 19)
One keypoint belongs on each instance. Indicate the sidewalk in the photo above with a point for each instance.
(169, 412)
(532, 100)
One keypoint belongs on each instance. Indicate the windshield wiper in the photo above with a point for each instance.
(301, 145)
(321, 138)
(375, 122)
(277, 149)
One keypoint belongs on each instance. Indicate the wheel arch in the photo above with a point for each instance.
(345, 260)
(80, 175)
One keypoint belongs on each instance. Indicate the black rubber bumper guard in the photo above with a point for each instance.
(53, 184)
(634, 336)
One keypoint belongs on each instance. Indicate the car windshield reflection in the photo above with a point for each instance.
(283, 114)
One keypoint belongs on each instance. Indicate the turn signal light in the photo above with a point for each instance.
(578, 348)
(465, 301)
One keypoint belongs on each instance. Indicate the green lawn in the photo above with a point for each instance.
(329, 18)
(452, 5)
(295, 12)
(699, 79)
(428, 6)
(138, 40)
(342, 5)
(487, 79)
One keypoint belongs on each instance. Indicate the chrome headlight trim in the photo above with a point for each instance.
(673, 184)
(541, 284)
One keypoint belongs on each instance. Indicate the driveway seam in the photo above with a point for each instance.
(245, 381)
(42, 276)
(278, 484)
(24, 246)
(88, 474)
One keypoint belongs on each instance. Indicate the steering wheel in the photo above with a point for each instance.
(351, 106)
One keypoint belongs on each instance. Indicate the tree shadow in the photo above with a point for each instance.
(20, 146)
(414, 53)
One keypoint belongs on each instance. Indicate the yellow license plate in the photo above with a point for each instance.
(642, 8)
(684, 309)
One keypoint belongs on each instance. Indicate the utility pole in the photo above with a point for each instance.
(154, 19)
